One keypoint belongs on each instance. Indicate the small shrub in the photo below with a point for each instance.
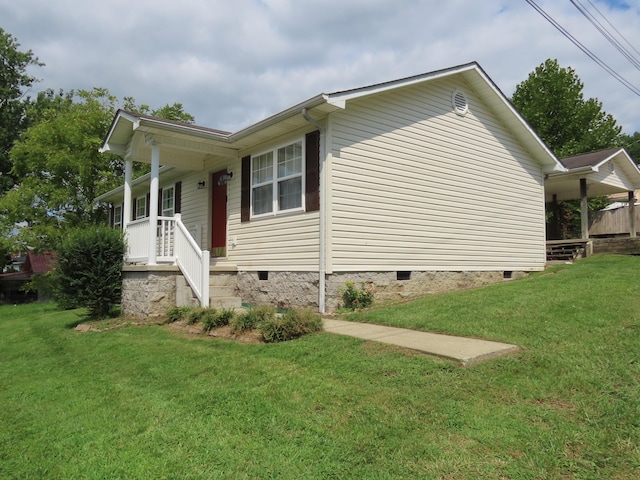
(175, 314)
(196, 315)
(252, 318)
(216, 318)
(291, 324)
(355, 298)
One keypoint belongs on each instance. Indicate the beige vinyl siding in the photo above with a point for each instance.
(617, 178)
(417, 187)
(195, 206)
(285, 242)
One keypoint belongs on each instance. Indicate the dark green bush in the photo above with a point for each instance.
(291, 324)
(88, 270)
(355, 298)
(252, 318)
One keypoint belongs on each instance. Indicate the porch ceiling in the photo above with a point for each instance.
(567, 187)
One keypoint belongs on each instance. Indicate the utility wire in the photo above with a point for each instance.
(602, 29)
(584, 49)
(614, 28)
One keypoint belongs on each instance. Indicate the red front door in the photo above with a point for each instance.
(219, 214)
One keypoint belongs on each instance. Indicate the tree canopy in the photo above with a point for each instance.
(59, 168)
(551, 99)
(632, 144)
(14, 85)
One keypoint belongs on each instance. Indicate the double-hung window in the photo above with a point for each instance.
(168, 202)
(141, 207)
(117, 216)
(277, 180)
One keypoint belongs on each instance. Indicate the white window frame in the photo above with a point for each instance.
(141, 201)
(168, 211)
(275, 180)
(117, 216)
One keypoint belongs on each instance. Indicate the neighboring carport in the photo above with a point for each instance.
(601, 173)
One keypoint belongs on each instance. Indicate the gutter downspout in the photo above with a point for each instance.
(322, 261)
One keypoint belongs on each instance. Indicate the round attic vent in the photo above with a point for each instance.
(459, 102)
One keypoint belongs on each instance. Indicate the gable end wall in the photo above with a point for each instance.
(416, 187)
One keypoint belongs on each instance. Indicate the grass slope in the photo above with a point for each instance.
(147, 402)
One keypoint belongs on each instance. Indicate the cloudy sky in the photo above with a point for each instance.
(234, 62)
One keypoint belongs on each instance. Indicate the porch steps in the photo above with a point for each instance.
(223, 292)
(221, 296)
(566, 250)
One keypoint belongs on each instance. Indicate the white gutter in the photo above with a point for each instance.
(322, 260)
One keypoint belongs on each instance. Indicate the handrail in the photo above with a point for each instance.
(192, 261)
(174, 243)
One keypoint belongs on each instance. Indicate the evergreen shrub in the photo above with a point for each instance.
(88, 270)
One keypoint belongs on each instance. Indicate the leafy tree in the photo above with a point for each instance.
(14, 84)
(551, 100)
(632, 144)
(60, 169)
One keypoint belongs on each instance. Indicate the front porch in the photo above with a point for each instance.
(168, 242)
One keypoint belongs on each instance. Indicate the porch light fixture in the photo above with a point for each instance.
(201, 184)
(224, 179)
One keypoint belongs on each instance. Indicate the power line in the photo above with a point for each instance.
(603, 30)
(584, 49)
(614, 28)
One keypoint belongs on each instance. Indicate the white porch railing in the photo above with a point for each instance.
(174, 244)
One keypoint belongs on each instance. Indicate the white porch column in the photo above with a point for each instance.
(632, 214)
(153, 200)
(126, 204)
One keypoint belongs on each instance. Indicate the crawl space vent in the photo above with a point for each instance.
(459, 102)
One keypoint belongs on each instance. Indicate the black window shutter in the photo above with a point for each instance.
(134, 209)
(112, 215)
(177, 192)
(148, 204)
(159, 202)
(312, 175)
(245, 196)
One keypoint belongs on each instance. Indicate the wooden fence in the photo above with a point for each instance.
(612, 222)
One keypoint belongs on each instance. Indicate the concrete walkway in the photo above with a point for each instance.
(467, 351)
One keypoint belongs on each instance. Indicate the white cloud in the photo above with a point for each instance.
(232, 63)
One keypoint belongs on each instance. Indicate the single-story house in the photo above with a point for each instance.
(412, 186)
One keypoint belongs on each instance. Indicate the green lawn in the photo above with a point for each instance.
(149, 402)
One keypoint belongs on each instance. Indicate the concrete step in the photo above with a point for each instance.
(225, 302)
(221, 291)
(221, 280)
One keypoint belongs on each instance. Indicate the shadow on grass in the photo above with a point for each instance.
(84, 316)
(81, 319)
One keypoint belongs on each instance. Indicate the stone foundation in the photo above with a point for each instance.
(386, 285)
(300, 289)
(280, 289)
(148, 291)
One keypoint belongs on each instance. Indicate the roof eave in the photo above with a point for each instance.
(278, 117)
